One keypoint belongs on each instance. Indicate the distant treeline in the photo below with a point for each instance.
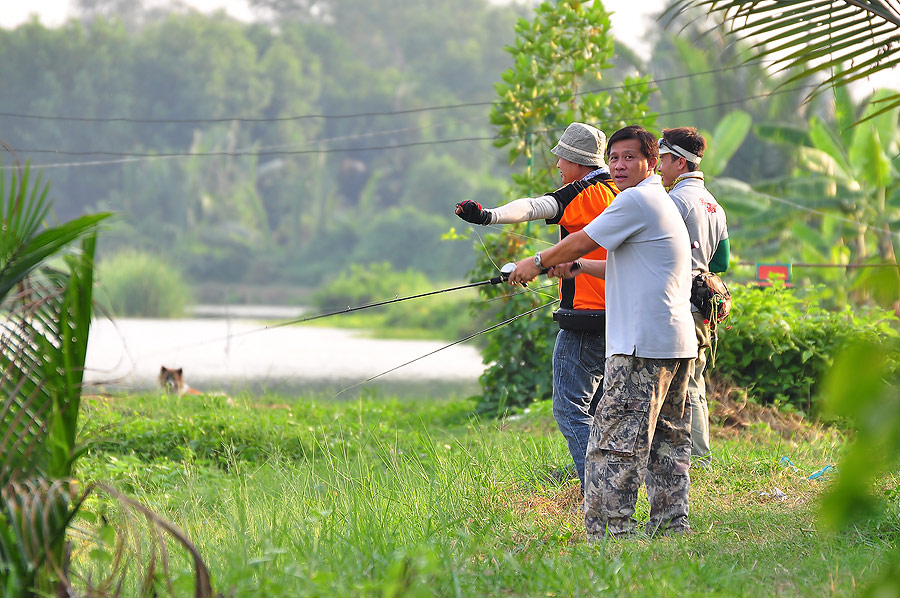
(122, 114)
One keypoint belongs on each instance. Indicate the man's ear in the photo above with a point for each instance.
(652, 163)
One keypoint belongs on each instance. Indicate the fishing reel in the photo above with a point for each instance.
(505, 271)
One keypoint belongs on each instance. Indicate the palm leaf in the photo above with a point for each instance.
(42, 353)
(34, 517)
(845, 40)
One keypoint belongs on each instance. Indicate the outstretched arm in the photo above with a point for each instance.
(518, 210)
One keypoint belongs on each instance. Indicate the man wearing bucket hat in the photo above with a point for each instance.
(680, 152)
(579, 355)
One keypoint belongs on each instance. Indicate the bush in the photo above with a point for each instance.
(134, 284)
(519, 355)
(368, 283)
(780, 342)
(442, 315)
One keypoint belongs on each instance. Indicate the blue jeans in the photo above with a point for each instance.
(579, 359)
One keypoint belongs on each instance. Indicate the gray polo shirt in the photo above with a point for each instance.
(703, 216)
(648, 274)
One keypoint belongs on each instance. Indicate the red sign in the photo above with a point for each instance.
(778, 271)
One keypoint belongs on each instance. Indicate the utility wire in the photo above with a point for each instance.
(156, 155)
(370, 114)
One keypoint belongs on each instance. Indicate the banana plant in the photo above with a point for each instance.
(851, 172)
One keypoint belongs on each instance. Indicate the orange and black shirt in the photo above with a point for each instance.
(579, 203)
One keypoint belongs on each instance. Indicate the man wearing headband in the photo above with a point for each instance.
(680, 152)
(579, 355)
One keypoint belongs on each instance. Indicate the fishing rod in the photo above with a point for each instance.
(454, 343)
(505, 271)
(502, 277)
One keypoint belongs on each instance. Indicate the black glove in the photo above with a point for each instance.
(471, 211)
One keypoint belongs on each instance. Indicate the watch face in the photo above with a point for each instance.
(537, 260)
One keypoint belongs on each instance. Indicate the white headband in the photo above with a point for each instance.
(667, 148)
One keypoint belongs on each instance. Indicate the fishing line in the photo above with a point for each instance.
(521, 292)
(484, 246)
(522, 235)
(454, 343)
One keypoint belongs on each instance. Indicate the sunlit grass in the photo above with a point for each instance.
(389, 497)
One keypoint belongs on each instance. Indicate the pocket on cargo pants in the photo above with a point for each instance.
(620, 423)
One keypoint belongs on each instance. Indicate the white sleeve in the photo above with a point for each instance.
(524, 210)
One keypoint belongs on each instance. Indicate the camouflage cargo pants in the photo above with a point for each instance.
(641, 431)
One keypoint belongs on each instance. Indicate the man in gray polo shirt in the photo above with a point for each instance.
(642, 426)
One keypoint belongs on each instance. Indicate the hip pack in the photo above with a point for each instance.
(711, 297)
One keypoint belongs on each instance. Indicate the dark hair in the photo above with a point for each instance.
(645, 137)
(690, 139)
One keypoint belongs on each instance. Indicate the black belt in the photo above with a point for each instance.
(589, 320)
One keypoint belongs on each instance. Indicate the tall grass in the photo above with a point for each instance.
(382, 497)
(141, 285)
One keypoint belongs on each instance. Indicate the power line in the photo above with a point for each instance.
(369, 148)
(371, 114)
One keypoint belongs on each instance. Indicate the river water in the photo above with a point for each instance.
(234, 353)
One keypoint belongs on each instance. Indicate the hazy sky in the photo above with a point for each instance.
(54, 12)
(635, 16)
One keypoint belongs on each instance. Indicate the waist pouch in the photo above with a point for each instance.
(589, 320)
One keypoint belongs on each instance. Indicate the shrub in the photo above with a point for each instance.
(368, 283)
(142, 285)
(780, 342)
(519, 355)
(440, 316)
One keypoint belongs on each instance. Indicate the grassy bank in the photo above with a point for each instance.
(389, 497)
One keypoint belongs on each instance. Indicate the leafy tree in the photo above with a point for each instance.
(841, 202)
(701, 80)
(559, 57)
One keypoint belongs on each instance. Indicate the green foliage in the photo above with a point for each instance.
(558, 57)
(269, 186)
(518, 355)
(863, 388)
(780, 342)
(781, 31)
(42, 351)
(136, 284)
(839, 205)
(439, 316)
(724, 141)
(368, 283)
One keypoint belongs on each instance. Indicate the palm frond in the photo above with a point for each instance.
(34, 516)
(43, 346)
(844, 40)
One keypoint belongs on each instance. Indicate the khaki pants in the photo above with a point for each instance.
(697, 396)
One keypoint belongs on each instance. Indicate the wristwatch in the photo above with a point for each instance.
(537, 260)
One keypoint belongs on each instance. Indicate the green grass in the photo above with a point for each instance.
(389, 497)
